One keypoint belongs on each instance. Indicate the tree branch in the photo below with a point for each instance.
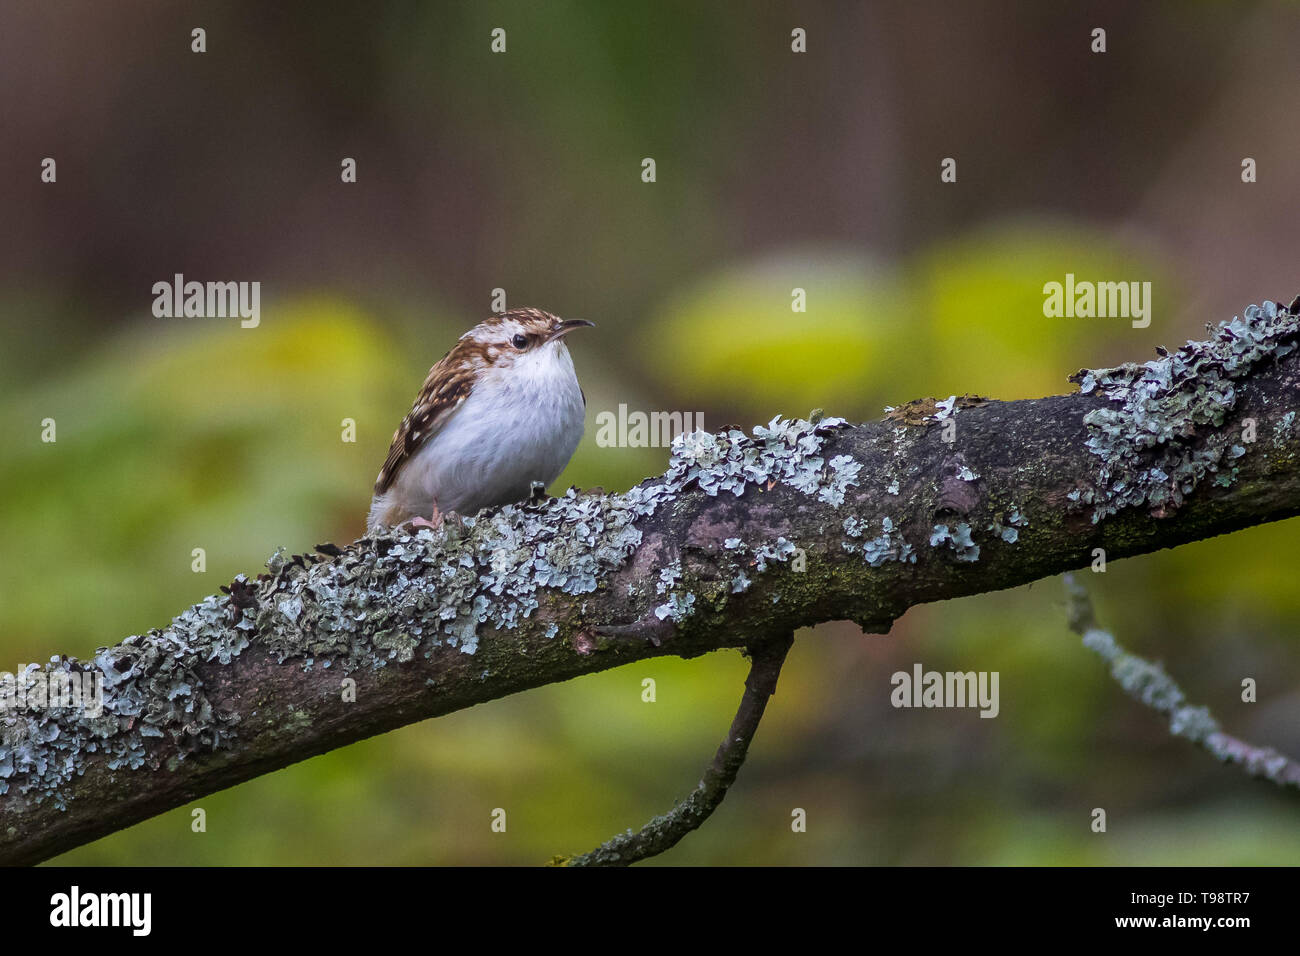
(663, 832)
(1148, 683)
(742, 540)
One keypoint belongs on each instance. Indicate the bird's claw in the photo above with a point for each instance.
(433, 522)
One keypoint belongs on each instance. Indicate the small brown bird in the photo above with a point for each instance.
(500, 411)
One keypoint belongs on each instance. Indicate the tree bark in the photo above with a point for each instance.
(742, 540)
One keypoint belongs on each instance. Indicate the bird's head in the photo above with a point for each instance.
(521, 337)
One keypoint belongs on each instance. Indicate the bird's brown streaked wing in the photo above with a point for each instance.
(447, 386)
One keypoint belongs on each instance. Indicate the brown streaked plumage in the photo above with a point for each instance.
(448, 384)
(500, 350)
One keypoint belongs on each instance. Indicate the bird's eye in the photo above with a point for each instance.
(520, 341)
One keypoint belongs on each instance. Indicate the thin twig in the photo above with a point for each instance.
(663, 832)
(1148, 683)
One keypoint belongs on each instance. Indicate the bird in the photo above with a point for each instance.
(500, 411)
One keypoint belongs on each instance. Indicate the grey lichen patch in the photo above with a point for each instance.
(1010, 531)
(780, 551)
(680, 603)
(844, 470)
(440, 587)
(957, 539)
(398, 644)
(669, 575)
(784, 452)
(1284, 430)
(1165, 433)
(150, 688)
(889, 545)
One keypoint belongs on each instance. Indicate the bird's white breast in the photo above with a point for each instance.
(519, 425)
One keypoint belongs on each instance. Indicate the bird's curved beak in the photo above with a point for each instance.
(567, 326)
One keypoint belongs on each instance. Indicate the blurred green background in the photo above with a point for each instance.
(522, 171)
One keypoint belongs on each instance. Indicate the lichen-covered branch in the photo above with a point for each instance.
(743, 539)
(664, 831)
(1147, 682)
